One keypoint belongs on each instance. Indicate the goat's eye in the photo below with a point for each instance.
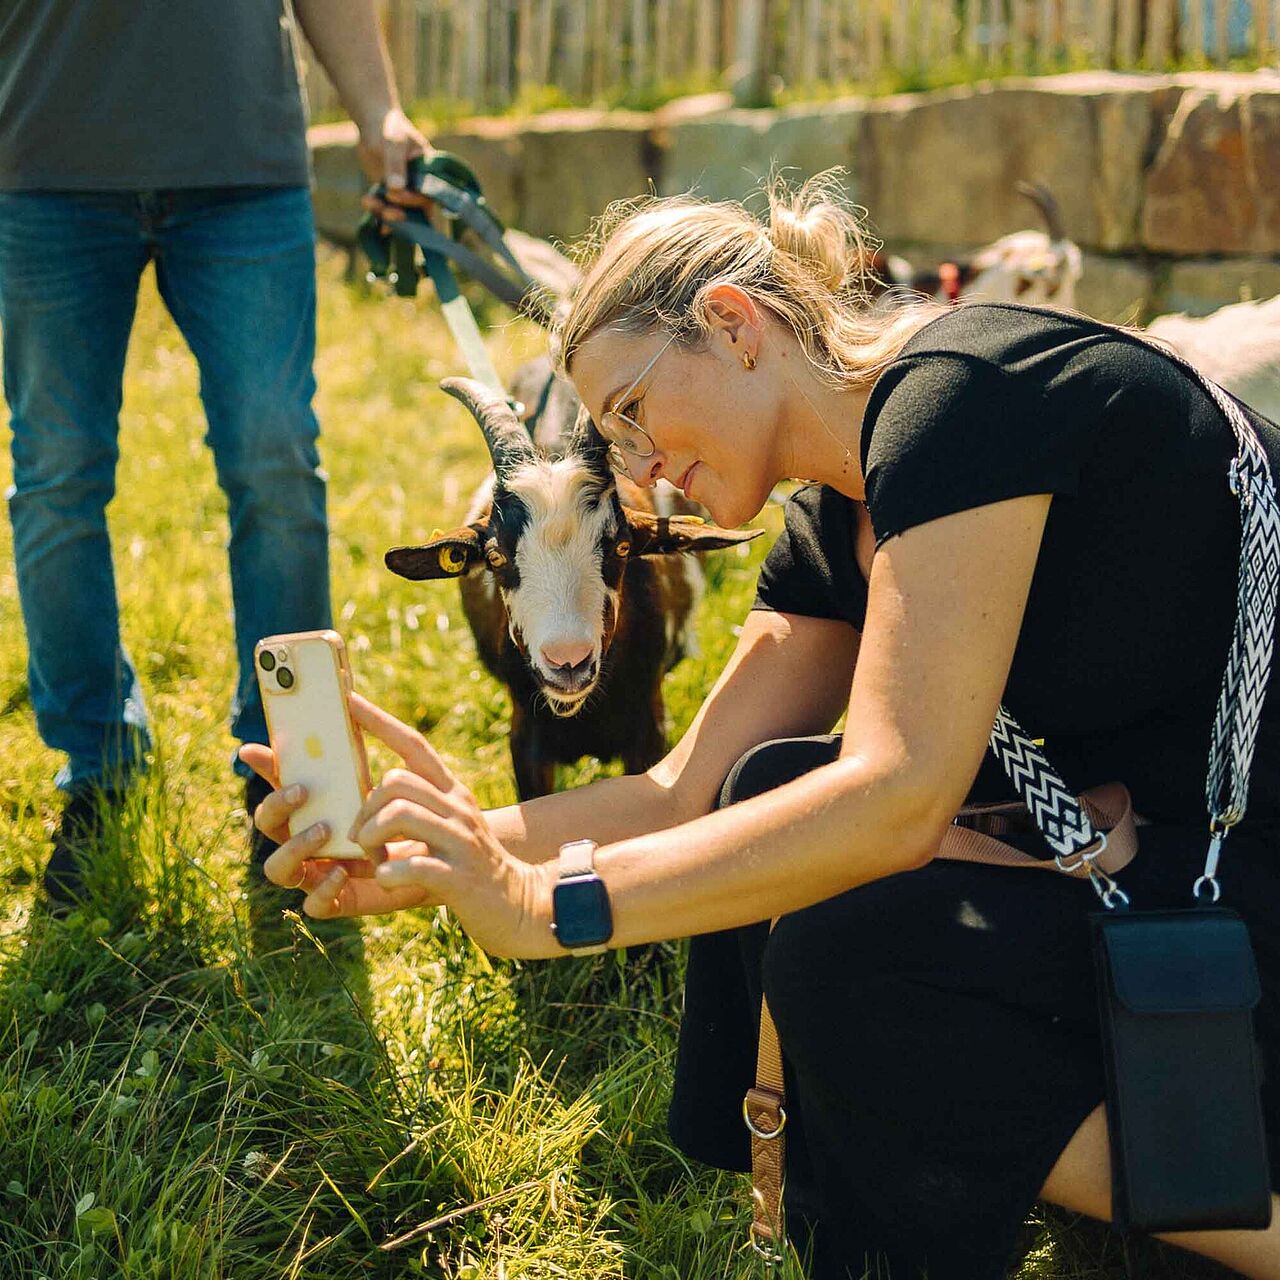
(622, 548)
(494, 556)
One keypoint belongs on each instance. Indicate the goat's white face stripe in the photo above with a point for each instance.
(561, 593)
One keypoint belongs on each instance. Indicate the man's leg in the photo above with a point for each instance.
(69, 270)
(236, 268)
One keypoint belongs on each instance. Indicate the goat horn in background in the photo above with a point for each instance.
(1043, 199)
(504, 433)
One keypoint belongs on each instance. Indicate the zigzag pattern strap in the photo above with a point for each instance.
(1248, 671)
(1056, 811)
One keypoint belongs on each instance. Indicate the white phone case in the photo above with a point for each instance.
(312, 734)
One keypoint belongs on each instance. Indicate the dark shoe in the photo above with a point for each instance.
(86, 816)
(256, 790)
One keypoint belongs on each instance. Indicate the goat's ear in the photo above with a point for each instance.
(446, 556)
(653, 535)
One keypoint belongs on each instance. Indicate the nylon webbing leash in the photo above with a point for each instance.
(452, 186)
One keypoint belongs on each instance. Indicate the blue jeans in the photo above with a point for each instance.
(236, 269)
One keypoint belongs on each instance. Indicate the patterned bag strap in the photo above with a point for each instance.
(1055, 810)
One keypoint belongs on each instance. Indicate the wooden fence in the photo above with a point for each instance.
(489, 54)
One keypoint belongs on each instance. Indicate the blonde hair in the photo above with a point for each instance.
(652, 262)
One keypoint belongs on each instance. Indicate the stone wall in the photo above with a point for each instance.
(1168, 183)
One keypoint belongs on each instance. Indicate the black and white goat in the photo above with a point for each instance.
(1037, 268)
(574, 586)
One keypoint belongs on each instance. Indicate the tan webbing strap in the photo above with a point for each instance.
(1110, 809)
(765, 1117)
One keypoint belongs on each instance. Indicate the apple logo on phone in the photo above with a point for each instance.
(313, 746)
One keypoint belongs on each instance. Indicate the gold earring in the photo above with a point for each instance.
(748, 361)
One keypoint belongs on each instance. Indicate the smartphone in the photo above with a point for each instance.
(305, 679)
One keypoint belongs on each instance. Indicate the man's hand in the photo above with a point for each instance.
(387, 143)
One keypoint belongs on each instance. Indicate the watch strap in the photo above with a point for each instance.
(578, 858)
(578, 861)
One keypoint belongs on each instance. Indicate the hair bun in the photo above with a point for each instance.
(814, 226)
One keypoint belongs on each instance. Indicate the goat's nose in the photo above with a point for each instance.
(570, 654)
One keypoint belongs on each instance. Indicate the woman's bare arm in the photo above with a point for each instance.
(946, 604)
(788, 676)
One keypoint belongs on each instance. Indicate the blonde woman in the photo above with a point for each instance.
(1006, 504)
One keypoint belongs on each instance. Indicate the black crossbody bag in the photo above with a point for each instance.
(1177, 989)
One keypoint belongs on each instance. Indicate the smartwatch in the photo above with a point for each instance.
(582, 920)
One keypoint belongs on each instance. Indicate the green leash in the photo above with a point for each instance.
(452, 186)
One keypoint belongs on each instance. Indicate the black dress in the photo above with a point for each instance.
(939, 1026)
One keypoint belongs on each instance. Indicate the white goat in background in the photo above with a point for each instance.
(1238, 346)
(1036, 268)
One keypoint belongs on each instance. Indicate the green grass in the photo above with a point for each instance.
(192, 1086)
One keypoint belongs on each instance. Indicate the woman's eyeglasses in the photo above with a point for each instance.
(623, 434)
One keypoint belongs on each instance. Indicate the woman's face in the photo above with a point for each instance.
(712, 421)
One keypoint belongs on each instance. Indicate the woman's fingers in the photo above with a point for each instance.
(400, 784)
(334, 892)
(419, 872)
(272, 815)
(408, 820)
(405, 741)
(262, 760)
(287, 866)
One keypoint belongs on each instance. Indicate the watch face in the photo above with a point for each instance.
(580, 906)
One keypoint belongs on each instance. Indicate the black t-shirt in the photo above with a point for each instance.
(1131, 607)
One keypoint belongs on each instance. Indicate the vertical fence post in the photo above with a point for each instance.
(1127, 33)
(809, 71)
(972, 23)
(1196, 43)
(996, 30)
(704, 39)
(402, 44)
(1159, 33)
(1259, 35)
(661, 10)
(639, 70)
(1221, 31)
(750, 57)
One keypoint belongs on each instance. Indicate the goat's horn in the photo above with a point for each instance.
(504, 433)
(1043, 199)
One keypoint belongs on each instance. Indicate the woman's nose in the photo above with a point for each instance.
(644, 471)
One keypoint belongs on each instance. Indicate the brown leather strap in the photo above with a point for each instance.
(1110, 809)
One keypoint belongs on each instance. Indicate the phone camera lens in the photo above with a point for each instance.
(284, 677)
(267, 660)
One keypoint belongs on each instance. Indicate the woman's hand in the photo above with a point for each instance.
(439, 850)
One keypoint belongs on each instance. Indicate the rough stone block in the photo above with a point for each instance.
(493, 149)
(337, 180)
(1199, 287)
(805, 140)
(576, 163)
(945, 165)
(721, 157)
(1211, 187)
(1116, 290)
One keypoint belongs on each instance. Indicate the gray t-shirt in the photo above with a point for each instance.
(136, 95)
